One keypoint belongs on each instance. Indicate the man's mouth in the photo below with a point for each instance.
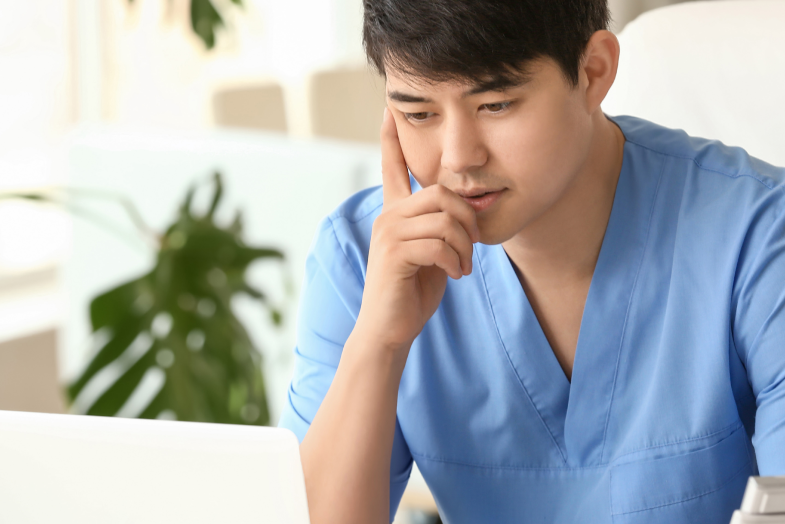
(481, 198)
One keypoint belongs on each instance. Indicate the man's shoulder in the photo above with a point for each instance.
(362, 207)
(700, 155)
(344, 236)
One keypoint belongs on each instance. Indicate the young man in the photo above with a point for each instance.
(561, 316)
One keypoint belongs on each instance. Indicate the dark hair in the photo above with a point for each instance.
(478, 40)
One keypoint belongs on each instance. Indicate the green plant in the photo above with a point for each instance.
(205, 19)
(177, 321)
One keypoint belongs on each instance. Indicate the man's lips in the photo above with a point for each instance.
(481, 199)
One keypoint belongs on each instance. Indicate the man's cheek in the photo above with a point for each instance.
(421, 158)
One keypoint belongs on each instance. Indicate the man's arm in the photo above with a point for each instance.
(417, 241)
(759, 334)
(346, 452)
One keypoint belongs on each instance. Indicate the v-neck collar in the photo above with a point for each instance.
(576, 414)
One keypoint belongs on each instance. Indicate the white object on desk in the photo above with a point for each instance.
(764, 495)
(94, 470)
(763, 503)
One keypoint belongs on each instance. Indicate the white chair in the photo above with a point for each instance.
(714, 69)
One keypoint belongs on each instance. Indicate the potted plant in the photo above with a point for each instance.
(176, 323)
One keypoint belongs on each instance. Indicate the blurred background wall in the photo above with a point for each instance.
(140, 63)
(294, 67)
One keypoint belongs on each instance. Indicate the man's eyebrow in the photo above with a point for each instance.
(494, 84)
(404, 97)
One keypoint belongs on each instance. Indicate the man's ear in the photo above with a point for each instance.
(598, 68)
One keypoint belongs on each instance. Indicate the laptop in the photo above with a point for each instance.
(90, 470)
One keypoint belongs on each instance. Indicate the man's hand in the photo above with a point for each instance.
(417, 241)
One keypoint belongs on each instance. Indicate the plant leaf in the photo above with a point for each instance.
(217, 193)
(178, 317)
(205, 19)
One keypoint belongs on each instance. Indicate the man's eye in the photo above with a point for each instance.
(417, 117)
(497, 107)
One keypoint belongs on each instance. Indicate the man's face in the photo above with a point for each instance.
(523, 146)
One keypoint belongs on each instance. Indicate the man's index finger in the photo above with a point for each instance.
(395, 174)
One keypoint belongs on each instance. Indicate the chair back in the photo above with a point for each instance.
(714, 69)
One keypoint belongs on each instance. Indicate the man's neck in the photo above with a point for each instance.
(564, 243)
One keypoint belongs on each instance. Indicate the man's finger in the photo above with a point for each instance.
(395, 175)
(440, 226)
(437, 198)
(426, 252)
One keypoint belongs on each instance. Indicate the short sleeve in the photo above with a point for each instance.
(329, 304)
(759, 333)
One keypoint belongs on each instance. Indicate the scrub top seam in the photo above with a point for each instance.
(682, 501)
(443, 460)
(512, 367)
(627, 313)
(360, 279)
(753, 176)
(736, 425)
(354, 220)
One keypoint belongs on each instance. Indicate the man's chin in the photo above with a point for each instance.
(499, 227)
(492, 234)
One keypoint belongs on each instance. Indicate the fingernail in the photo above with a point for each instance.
(384, 113)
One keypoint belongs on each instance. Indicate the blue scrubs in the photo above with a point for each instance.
(678, 385)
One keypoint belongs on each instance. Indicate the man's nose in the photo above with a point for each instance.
(462, 146)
